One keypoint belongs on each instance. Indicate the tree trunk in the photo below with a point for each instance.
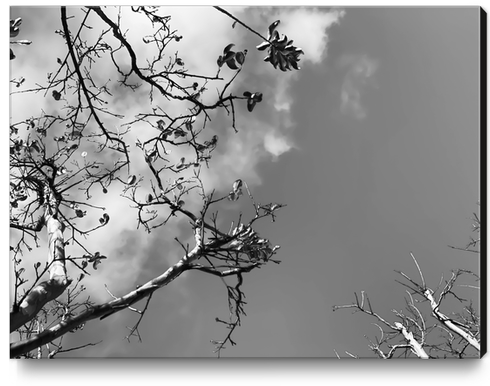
(58, 281)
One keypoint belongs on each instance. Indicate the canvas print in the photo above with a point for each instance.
(246, 182)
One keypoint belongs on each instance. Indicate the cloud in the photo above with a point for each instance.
(308, 27)
(276, 144)
(360, 72)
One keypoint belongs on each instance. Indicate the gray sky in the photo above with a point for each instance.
(374, 147)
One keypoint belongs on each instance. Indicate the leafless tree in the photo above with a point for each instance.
(52, 184)
(413, 333)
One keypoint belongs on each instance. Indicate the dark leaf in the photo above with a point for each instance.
(240, 57)
(228, 48)
(14, 27)
(180, 165)
(229, 55)
(232, 64)
(272, 28)
(251, 104)
(220, 61)
(56, 95)
(161, 124)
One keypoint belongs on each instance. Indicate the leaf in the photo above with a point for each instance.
(14, 27)
(151, 155)
(282, 62)
(263, 46)
(282, 42)
(12, 55)
(229, 55)
(149, 198)
(275, 36)
(131, 179)
(56, 95)
(97, 260)
(179, 133)
(257, 97)
(161, 124)
(240, 57)
(79, 213)
(180, 165)
(228, 48)
(247, 94)
(232, 64)
(272, 28)
(105, 218)
(251, 104)
(220, 61)
(234, 196)
(237, 185)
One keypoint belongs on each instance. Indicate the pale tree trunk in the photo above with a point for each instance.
(449, 323)
(415, 346)
(58, 281)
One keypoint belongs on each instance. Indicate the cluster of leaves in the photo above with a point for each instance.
(234, 60)
(281, 51)
(249, 242)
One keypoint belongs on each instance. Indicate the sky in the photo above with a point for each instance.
(373, 146)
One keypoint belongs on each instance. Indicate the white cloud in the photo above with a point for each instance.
(360, 72)
(308, 28)
(276, 144)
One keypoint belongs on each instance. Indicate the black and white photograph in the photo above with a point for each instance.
(247, 182)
